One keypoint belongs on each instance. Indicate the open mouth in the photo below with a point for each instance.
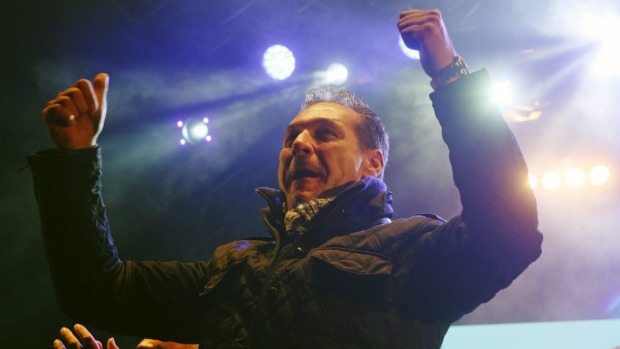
(302, 173)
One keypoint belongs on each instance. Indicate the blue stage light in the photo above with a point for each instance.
(279, 62)
(194, 130)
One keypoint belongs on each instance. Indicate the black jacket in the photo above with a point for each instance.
(355, 279)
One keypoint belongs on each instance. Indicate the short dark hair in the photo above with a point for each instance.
(370, 131)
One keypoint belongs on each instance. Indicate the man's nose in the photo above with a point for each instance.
(303, 144)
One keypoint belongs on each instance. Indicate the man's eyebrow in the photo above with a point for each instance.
(315, 121)
(290, 129)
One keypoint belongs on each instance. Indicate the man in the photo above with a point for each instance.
(337, 272)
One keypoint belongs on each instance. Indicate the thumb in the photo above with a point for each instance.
(100, 85)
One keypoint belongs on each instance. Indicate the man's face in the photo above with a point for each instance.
(321, 154)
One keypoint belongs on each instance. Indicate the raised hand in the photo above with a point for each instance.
(75, 118)
(83, 340)
(156, 344)
(424, 30)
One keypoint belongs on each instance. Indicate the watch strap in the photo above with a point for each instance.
(455, 70)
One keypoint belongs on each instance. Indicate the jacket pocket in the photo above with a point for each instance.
(356, 276)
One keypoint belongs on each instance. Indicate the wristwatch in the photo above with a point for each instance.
(456, 69)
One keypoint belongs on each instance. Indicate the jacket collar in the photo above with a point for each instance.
(362, 205)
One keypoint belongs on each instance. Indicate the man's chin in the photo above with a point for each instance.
(331, 192)
(300, 197)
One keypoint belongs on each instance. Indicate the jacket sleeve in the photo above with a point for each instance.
(466, 261)
(92, 285)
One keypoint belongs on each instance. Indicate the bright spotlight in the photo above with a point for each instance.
(551, 180)
(575, 177)
(502, 93)
(532, 181)
(413, 54)
(599, 175)
(604, 29)
(336, 74)
(279, 62)
(601, 27)
(194, 130)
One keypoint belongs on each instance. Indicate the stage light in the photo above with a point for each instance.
(551, 180)
(604, 29)
(336, 74)
(279, 62)
(413, 54)
(504, 96)
(575, 177)
(532, 181)
(502, 93)
(522, 113)
(599, 175)
(194, 130)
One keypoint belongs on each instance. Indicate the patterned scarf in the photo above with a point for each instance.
(296, 218)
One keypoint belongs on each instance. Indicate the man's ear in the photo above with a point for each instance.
(373, 164)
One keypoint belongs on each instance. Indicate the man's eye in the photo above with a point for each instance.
(288, 140)
(324, 133)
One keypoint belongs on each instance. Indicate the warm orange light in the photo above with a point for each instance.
(532, 181)
(575, 177)
(599, 175)
(551, 180)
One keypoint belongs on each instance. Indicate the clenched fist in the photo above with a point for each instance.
(75, 118)
(424, 30)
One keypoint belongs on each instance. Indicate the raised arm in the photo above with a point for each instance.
(465, 261)
(75, 118)
(92, 284)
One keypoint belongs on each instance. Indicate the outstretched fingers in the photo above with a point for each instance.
(112, 344)
(82, 339)
(87, 338)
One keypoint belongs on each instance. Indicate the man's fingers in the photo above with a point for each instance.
(420, 19)
(69, 339)
(413, 25)
(419, 13)
(77, 98)
(88, 93)
(89, 341)
(112, 344)
(68, 104)
(58, 344)
(86, 340)
(147, 343)
(57, 115)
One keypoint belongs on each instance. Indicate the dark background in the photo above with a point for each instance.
(177, 59)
